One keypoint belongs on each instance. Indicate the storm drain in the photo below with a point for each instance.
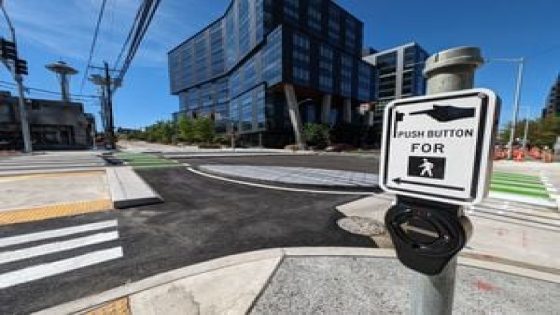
(362, 226)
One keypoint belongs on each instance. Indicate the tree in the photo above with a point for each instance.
(203, 130)
(542, 131)
(316, 135)
(185, 129)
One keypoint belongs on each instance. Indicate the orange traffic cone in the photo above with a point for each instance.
(518, 156)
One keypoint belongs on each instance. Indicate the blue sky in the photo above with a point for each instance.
(62, 29)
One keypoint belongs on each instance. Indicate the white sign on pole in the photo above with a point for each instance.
(439, 147)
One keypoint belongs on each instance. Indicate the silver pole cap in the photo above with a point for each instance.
(458, 56)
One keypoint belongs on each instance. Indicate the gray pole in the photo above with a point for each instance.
(446, 71)
(26, 134)
(516, 107)
(526, 131)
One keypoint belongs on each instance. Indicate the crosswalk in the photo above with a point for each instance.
(146, 161)
(523, 188)
(32, 256)
(85, 160)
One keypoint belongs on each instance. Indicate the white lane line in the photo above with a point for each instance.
(40, 250)
(57, 267)
(31, 237)
(327, 192)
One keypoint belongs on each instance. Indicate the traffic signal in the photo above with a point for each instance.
(21, 66)
(8, 49)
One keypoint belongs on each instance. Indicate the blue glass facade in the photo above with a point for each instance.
(232, 70)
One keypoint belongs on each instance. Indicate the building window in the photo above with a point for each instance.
(260, 108)
(334, 25)
(291, 9)
(314, 16)
(326, 68)
(301, 58)
(346, 75)
(246, 111)
(365, 77)
(272, 58)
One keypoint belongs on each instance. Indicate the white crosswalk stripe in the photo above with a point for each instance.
(33, 262)
(61, 266)
(26, 238)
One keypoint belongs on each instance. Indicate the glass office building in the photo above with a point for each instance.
(399, 75)
(552, 107)
(236, 70)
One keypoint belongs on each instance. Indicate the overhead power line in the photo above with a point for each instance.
(8, 84)
(129, 36)
(93, 42)
(138, 30)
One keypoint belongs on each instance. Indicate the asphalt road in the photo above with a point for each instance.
(201, 219)
(361, 163)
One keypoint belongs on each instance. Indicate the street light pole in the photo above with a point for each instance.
(516, 106)
(526, 131)
(25, 132)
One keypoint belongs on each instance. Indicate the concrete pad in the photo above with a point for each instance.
(30, 191)
(367, 285)
(230, 290)
(128, 189)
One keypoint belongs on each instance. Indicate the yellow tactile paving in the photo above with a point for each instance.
(54, 211)
(13, 178)
(117, 307)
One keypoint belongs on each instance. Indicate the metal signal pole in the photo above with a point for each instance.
(446, 71)
(25, 132)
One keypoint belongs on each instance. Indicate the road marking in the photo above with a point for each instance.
(54, 268)
(51, 248)
(32, 237)
(54, 211)
(327, 192)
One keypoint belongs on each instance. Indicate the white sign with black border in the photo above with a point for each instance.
(439, 147)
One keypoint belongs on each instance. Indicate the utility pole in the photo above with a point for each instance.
(107, 86)
(109, 96)
(18, 67)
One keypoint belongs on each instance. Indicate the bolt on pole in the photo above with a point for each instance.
(446, 71)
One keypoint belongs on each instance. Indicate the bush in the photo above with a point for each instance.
(316, 135)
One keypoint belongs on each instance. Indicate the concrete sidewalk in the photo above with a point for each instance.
(31, 189)
(319, 281)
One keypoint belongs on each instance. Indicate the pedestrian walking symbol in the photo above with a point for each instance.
(426, 167)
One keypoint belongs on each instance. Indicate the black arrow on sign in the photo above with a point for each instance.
(445, 113)
(398, 180)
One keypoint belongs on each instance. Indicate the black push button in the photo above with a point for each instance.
(426, 236)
